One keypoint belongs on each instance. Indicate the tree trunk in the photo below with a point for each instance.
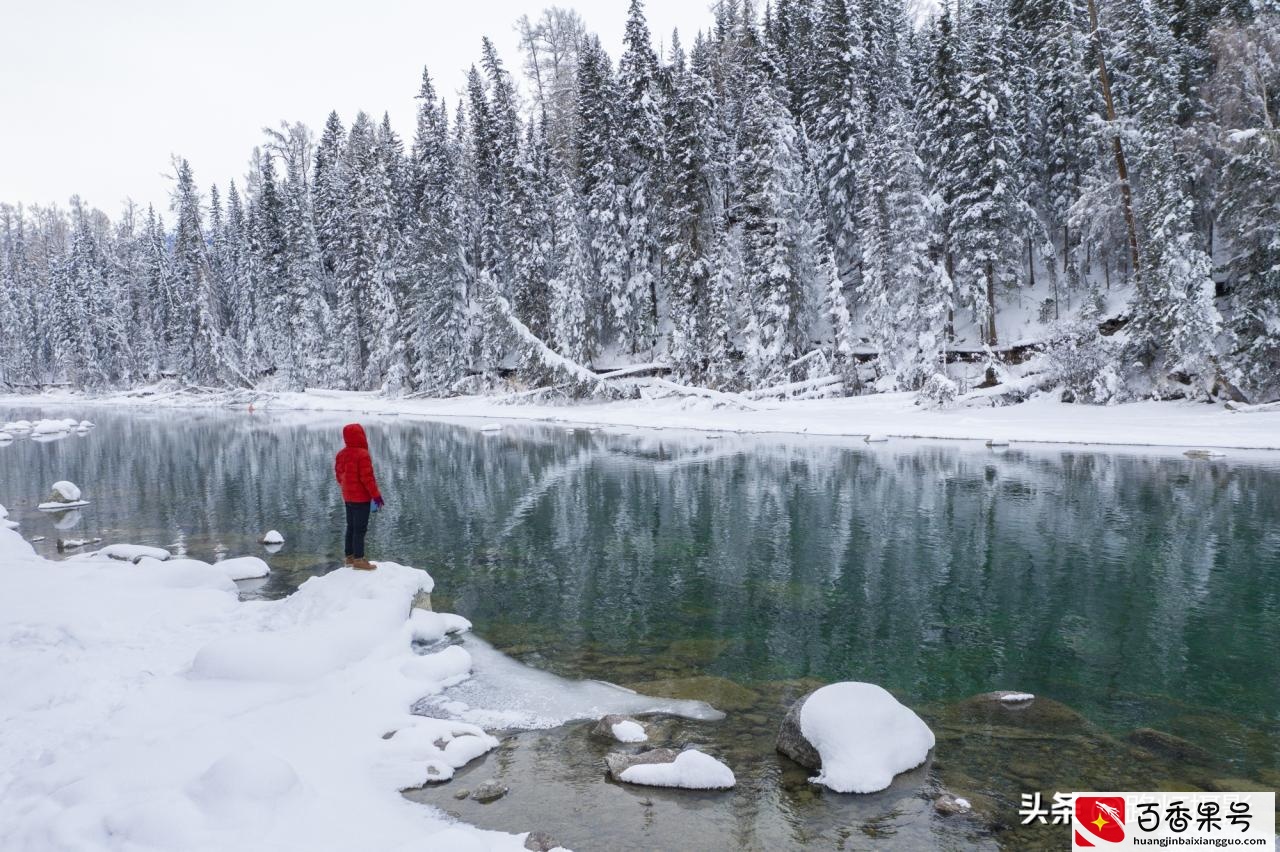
(991, 305)
(1122, 169)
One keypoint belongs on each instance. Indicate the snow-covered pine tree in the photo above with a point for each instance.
(836, 119)
(1244, 91)
(201, 354)
(770, 205)
(640, 156)
(688, 225)
(437, 336)
(990, 215)
(598, 185)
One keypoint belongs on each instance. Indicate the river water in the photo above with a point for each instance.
(1127, 590)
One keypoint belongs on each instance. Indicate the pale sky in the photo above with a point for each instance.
(95, 95)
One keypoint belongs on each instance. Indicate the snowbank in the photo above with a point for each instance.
(243, 568)
(691, 770)
(146, 707)
(1042, 419)
(863, 735)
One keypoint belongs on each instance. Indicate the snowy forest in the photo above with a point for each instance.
(829, 196)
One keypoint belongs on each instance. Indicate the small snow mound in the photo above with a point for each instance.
(65, 492)
(863, 735)
(271, 537)
(491, 427)
(628, 731)
(427, 626)
(244, 568)
(16, 426)
(86, 424)
(1016, 697)
(51, 427)
(132, 552)
(691, 770)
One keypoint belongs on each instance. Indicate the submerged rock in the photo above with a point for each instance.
(719, 692)
(1167, 745)
(949, 805)
(540, 841)
(489, 791)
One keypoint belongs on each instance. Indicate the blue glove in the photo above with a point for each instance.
(377, 503)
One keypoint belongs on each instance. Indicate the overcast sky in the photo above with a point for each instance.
(95, 95)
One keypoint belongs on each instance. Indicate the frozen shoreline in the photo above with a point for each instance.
(1159, 424)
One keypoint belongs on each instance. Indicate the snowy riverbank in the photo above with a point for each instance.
(145, 706)
(1167, 424)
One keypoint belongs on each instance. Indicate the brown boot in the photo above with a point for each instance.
(363, 564)
(351, 560)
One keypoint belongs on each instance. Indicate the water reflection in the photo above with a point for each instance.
(1140, 590)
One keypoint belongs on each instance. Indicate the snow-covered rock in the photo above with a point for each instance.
(663, 767)
(65, 492)
(51, 427)
(271, 537)
(244, 568)
(16, 427)
(491, 427)
(618, 728)
(6, 438)
(87, 424)
(132, 552)
(857, 734)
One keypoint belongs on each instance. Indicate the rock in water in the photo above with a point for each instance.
(857, 734)
(64, 492)
(622, 729)
(271, 537)
(689, 769)
(792, 743)
(949, 805)
(489, 791)
(619, 762)
(540, 841)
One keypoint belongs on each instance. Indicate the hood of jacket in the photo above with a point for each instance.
(353, 434)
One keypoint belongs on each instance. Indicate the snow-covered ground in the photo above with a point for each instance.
(145, 707)
(1042, 419)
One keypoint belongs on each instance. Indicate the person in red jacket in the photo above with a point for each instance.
(354, 470)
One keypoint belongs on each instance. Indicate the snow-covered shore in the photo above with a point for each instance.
(1039, 420)
(146, 707)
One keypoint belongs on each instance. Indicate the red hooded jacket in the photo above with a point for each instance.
(354, 468)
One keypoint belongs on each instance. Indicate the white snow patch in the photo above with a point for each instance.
(863, 735)
(243, 568)
(272, 537)
(1016, 697)
(129, 553)
(691, 770)
(628, 731)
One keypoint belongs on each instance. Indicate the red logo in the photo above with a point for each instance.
(1098, 818)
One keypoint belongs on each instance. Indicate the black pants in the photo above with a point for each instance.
(357, 526)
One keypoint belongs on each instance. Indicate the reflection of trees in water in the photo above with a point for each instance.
(939, 570)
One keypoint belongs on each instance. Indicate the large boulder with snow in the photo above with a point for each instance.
(665, 767)
(856, 734)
